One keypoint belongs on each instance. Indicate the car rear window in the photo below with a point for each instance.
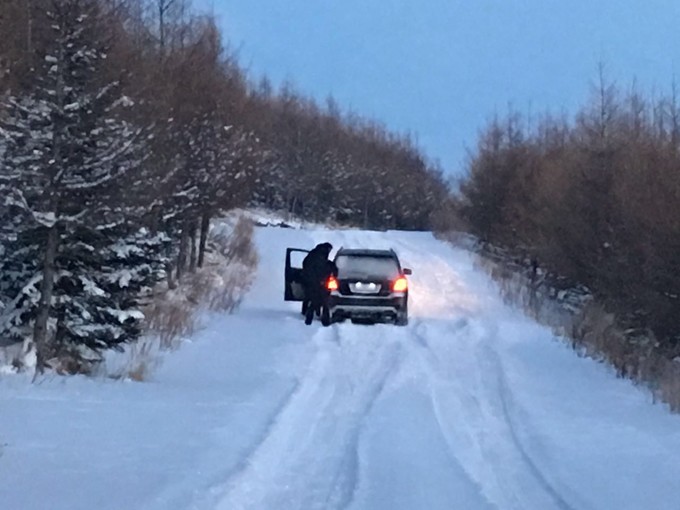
(365, 266)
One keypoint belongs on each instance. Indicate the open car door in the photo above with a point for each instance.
(294, 288)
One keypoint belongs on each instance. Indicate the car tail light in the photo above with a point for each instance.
(400, 284)
(332, 283)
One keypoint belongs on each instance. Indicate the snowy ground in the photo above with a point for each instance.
(471, 406)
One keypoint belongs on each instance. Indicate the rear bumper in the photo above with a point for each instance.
(367, 307)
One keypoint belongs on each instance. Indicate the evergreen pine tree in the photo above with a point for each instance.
(68, 151)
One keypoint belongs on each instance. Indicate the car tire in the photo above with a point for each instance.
(402, 317)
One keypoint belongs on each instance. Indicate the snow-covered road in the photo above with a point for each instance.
(471, 406)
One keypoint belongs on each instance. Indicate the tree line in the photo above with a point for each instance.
(125, 127)
(595, 198)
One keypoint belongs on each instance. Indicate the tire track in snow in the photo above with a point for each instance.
(308, 460)
(491, 449)
(348, 495)
(214, 494)
(430, 364)
(505, 395)
(486, 396)
(466, 434)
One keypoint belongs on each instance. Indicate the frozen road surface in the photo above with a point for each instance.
(471, 406)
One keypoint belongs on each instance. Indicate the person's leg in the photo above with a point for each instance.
(315, 303)
(325, 314)
(307, 301)
(309, 314)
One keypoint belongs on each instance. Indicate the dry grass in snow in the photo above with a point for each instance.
(174, 314)
(592, 331)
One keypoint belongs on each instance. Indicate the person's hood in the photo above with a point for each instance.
(324, 247)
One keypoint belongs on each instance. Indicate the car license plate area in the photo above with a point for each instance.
(366, 288)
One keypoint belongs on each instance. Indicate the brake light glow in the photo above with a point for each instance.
(332, 283)
(400, 284)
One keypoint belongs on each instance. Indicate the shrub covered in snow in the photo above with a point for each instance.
(173, 314)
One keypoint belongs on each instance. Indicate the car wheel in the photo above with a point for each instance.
(402, 318)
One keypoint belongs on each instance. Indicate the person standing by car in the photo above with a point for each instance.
(316, 269)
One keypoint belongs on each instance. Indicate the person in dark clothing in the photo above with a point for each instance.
(316, 269)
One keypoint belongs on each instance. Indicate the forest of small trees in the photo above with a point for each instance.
(596, 199)
(125, 127)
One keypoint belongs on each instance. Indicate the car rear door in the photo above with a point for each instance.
(294, 288)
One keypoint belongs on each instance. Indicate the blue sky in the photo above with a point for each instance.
(441, 68)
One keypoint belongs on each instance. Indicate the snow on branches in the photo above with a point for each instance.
(68, 150)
